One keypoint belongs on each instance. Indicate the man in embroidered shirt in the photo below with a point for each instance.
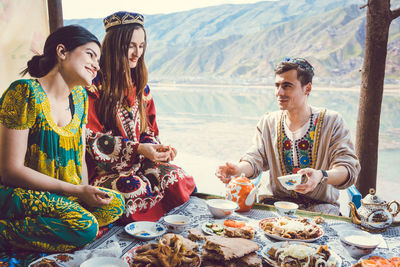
(299, 138)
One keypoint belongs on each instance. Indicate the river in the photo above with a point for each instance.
(213, 124)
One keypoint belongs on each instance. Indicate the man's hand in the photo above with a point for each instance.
(225, 172)
(313, 179)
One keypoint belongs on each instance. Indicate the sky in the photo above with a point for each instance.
(78, 9)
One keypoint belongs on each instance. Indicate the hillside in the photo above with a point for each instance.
(240, 44)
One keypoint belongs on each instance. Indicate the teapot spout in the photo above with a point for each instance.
(355, 217)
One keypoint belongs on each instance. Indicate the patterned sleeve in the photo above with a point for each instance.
(107, 151)
(150, 135)
(18, 106)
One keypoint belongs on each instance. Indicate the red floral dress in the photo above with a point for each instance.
(150, 188)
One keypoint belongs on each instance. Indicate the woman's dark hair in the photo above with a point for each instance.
(70, 36)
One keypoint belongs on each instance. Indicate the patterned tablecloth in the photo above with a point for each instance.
(196, 209)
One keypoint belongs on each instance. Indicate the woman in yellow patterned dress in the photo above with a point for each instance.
(46, 203)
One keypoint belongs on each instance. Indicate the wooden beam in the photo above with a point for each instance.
(55, 14)
(371, 93)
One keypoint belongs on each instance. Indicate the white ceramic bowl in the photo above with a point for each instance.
(221, 208)
(285, 208)
(176, 223)
(104, 262)
(358, 243)
(145, 230)
(290, 181)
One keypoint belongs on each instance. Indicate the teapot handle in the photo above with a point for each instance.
(395, 211)
(251, 197)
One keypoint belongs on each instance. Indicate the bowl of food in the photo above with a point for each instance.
(176, 223)
(221, 208)
(359, 243)
(290, 181)
(285, 208)
(104, 262)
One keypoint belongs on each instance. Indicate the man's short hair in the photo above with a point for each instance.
(305, 70)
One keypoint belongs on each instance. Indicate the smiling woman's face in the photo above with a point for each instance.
(136, 47)
(82, 64)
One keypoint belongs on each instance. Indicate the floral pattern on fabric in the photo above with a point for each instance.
(306, 146)
(44, 221)
(303, 147)
(40, 221)
(52, 150)
(150, 189)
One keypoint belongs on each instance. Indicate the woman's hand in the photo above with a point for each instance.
(93, 196)
(313, 179)
(172, 153)
(155, 152)
(225, 172)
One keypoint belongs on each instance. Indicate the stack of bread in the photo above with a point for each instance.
(223, 251)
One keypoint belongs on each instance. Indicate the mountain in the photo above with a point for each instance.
(241, 44)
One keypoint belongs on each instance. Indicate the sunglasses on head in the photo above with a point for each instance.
(303, 63)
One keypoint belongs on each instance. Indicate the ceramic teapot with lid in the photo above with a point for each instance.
(374, 214)
(242, 191)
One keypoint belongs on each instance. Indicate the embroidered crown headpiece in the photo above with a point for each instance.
(303, 63)
(122, 18)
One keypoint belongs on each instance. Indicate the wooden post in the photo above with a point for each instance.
(55, 14)
(379, 17)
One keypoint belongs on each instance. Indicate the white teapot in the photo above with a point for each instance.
(374, 214)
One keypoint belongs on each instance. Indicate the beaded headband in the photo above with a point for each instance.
(122, 18)
(303, 63)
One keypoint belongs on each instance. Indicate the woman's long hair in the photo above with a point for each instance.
(70, 36)
(118, 77)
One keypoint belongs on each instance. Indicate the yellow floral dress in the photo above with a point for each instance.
(44, 221)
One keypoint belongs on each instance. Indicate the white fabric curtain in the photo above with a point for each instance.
(24, 28)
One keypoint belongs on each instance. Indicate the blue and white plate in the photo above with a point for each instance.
(334, 259)
(145, 230)
(61, 260)
(104, 262)
(382, 253)
(320, 231)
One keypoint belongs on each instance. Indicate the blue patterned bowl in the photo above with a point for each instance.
(145, 230)
(290, 181)
(285, 208)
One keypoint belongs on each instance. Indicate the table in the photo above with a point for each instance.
(196, 208)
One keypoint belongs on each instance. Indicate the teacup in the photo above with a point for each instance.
(177, 223)
(285, 208)
(290, 181)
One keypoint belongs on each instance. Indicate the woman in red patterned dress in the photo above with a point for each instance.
(124, 152)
